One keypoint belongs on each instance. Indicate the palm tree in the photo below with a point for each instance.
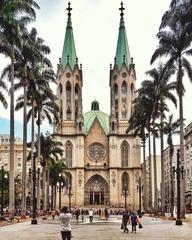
(15, 15)
(170, 128)
(175, 44)
(51, 151)
(142, 107)
(160, 91)
(55, 170)
(33, 51)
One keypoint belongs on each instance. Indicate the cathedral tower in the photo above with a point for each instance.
(69, 85)
(122, 82)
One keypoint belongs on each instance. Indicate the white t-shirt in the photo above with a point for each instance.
(65, 221)
(90, 213)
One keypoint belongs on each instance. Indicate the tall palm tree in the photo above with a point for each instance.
(51, 151)
(15, 15)
(33, 51)
(160, 91)
(175, 44)
(55, 170)
(137, 125)
(170, 128)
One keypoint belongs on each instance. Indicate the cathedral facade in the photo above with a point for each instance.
(103, 162)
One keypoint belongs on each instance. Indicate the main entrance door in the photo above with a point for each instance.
(96, 191)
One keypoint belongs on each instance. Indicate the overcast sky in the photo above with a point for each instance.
(95, 28)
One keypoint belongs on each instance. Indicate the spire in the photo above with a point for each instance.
(122, 51)
(69, 52)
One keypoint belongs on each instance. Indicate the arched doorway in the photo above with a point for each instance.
(96, 191)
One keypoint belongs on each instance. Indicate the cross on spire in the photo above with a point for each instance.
(69, 9)
(121, 9)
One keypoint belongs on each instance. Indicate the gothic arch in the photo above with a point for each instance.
(96, 190)
(115, 90)
(77, 98)
(60, 88)
(124, 98)
(124, 154)
(69, 153)
(68, 100)
(125, 182)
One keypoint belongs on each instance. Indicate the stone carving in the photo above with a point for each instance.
(113, 178)
(80, 178)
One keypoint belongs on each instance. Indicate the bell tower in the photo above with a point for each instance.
(69, 85)
(122, 82)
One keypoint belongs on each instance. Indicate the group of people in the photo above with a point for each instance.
(65, 218)
(127, 218)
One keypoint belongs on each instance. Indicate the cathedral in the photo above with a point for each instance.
(103, 162)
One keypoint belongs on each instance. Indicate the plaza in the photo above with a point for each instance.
(153, 228)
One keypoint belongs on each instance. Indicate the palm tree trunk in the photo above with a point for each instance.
(47, 193)
(150, 177)
(12, 137)
(39, 156)
(155, 174)
(182, 181)
(44, 190)
(162, 166)
(23, 204)
(144, 175)
(55, 196)
(52, 201)
(172, 184)
(33, 161)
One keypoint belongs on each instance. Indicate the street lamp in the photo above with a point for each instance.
(60, 186)
(144, 136)
(69, 193)
(179, 170)
(3, 177)
(125, 194)
(139, 189)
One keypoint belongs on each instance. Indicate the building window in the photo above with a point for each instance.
(125, 182)
(69, 148)
(116, 99)
(124, 154)
(68, 100)
(124, 99)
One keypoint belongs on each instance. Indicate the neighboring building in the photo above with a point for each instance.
(103, 161)
(188, 167)
(150, 187)
(167, 175)
(5, 153)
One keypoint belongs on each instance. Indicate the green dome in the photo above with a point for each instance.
(102, 117)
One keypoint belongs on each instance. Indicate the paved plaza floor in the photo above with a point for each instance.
(99, 230)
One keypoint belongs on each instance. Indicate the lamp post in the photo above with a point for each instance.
(38, 190)
(179, 170)
(125, 194)
(144, 136)
(60, 186)
(139, 189)
(69, 194)
(3, 176)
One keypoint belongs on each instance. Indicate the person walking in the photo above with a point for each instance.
(125, 220)
(90, 215)
(134, 221)
(65, 218)
(82, 214)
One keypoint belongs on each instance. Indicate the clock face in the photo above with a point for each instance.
(96, 151)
